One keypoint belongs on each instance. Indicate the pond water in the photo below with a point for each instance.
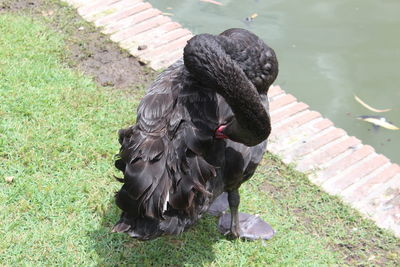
(328, 51)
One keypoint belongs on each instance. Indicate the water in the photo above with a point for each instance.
(328, 51)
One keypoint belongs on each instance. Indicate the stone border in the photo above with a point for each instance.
(339, 163)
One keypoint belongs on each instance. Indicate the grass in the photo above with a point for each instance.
(57, 141)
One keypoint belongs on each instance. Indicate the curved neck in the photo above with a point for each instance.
(207, 61)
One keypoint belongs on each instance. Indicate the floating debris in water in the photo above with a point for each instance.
(379, 121)
(251, 17)
(369, 107)
(212, 2)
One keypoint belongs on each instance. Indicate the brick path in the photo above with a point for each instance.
(339, 163)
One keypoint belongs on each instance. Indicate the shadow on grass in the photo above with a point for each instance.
(193, 247)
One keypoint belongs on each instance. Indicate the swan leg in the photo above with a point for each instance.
(243, 225)
(234, 201)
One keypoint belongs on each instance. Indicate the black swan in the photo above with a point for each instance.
(201, 130)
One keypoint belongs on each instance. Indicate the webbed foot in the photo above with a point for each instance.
(250, 227)
(219, 205)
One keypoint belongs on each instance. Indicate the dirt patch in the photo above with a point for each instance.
(268, 188)
(88, 50)
(104, 60)
(108, 65)
(10, 5)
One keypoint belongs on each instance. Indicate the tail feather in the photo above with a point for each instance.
(150, 175)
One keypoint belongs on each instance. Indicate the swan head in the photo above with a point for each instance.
(257, 60)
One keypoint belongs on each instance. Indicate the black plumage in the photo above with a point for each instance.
(174, 164)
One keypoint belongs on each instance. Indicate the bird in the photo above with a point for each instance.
(201, 131)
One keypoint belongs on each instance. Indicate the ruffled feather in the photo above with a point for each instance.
(173, 167)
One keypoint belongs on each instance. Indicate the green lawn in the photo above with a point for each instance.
(57, 141)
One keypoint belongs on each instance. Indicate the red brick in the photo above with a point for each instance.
(288, 112)
(113, 8)
(168, 48)
(274, 91)
(321, 125)
(147, 37)
(295, 122)
(122, 14)
(95, 7)
(379, 178)
(140, 27)
(359, 172)
(380, 193)
(335, 150)
(348, 161)
(124, 25)
(296, 130)
(173, 35)
(301, 137)
(167, 38)
(387, 215)
(163, 62)
(282, 101)
(320, 141)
